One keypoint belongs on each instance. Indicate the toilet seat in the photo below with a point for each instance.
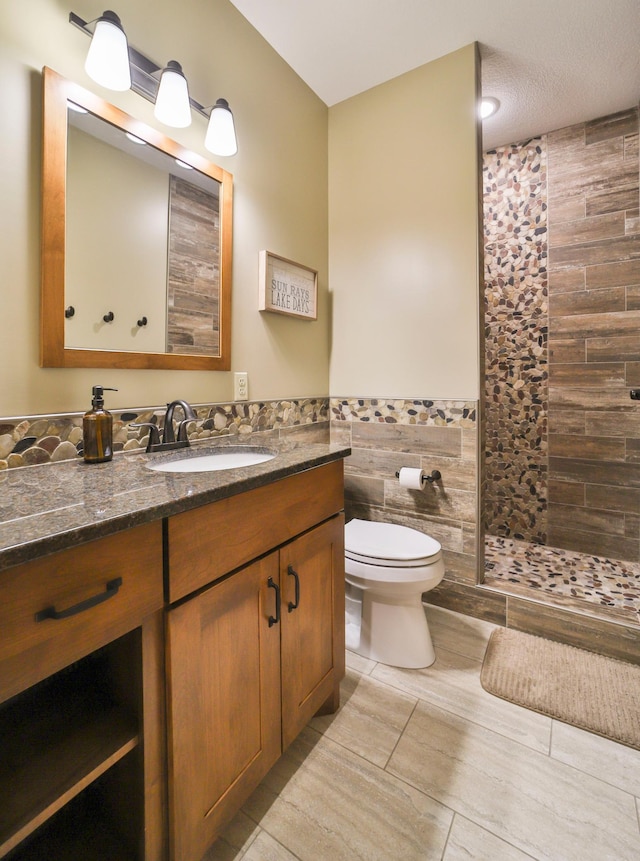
(389, 545)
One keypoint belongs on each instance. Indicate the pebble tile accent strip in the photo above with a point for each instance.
(606, 582)
(43, 439)
(407, 412)
(516, 328)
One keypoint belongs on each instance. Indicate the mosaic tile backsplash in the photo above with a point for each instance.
(44, 439)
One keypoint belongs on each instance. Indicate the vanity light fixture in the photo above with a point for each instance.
(107, 62)
(172, 100)
(221, 131)
(488, 107)
(167, 87)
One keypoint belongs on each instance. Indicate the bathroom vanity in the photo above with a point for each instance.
(163, 638)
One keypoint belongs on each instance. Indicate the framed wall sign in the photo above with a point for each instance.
(287, 287)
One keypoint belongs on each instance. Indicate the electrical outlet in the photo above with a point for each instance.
(240, 386)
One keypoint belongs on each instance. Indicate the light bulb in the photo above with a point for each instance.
(488, 107)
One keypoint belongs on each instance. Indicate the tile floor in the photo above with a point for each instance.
(423, 764)
(564, 577)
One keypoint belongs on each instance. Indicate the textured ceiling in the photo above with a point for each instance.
(551, 63)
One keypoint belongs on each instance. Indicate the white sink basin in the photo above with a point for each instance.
(226, 458)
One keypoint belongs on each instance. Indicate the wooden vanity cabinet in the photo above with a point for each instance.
(255, 654)
(81, 702)
(312, 625)
(223, 674)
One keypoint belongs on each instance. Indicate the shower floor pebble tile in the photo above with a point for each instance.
(564, 574)
(401, 772)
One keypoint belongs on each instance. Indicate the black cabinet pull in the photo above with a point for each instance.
(293, 573)
(273, 620)
(52, 613)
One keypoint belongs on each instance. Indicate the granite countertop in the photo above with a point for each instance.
(54, 506)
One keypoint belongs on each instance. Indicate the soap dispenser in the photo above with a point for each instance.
(97, 429)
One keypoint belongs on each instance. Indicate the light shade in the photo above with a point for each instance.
(172, 101)
(221, 132)
(107, 61)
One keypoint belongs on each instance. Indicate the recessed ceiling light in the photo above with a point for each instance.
(183, 164)
(79, 110)
(488, 107)
(135, 139)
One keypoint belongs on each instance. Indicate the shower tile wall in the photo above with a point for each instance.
(385, 435)
(594, 337)
(563, 453)
(516, 378)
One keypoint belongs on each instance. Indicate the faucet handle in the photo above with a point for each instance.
(183, 436)
(154, 433)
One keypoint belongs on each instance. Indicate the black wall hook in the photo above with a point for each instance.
(69, 312)
(142, 321)
(108, 318)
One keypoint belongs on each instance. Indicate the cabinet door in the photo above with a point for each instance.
(224, 702)
(312, 624)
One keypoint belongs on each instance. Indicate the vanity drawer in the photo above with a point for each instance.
(57, 609)
(208, 542)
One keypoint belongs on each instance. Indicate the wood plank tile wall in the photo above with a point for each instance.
(594, 337)
(193, 279)
(574, 235)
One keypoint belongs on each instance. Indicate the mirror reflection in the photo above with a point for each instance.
(143, 275)
(142, 244)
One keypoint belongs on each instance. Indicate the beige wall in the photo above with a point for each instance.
(280, 195)
(403, 235)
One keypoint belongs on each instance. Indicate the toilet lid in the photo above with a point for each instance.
(388, 544)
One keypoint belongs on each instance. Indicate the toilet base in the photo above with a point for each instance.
(394, 633)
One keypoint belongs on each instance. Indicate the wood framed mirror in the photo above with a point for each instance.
(136, 242)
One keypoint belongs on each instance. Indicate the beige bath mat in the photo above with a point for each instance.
(583, 689)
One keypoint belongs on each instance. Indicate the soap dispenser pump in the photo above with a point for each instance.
(97, 429)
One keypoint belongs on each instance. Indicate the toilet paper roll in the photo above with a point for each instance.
(411, 478)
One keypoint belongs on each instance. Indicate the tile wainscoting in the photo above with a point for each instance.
(386, 434)
(33, 440)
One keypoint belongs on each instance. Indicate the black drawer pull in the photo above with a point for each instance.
(52, 613)
(273, 620)
(293, 573)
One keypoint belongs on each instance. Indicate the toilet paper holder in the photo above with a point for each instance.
(435, 475)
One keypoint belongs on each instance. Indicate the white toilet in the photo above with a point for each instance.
(387, 568)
